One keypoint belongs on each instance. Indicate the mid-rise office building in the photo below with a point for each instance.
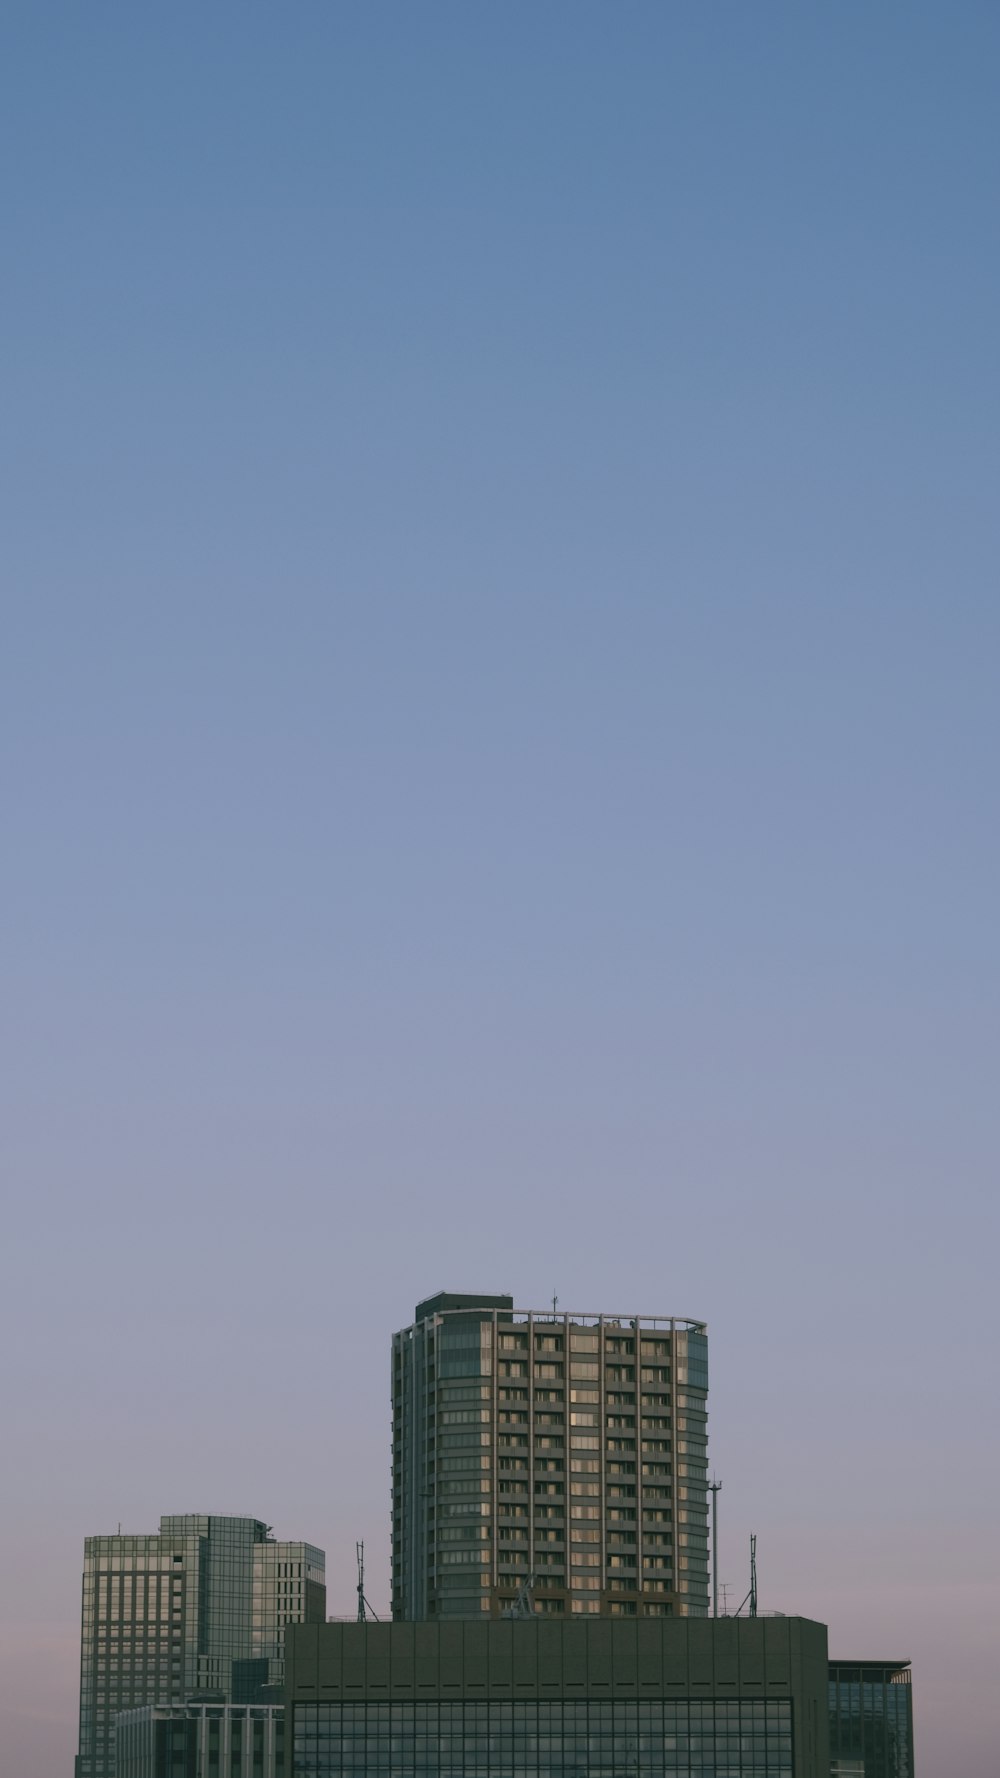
(551, 1455)
(201, 1741)
(582, 1698)
(871, 1719)
(184, 1613)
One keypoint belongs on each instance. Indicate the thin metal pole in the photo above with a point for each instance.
(714, 1487)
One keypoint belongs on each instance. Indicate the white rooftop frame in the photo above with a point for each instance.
(576, 1318)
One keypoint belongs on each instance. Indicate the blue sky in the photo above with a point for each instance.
(499, 734)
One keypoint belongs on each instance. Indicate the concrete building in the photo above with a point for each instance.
(582, 1698)
(564, 1450)
(170, 1616)
(201, 1741)
(871, 1719)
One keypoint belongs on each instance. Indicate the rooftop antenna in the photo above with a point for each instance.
(751, 1598)
(714, 1489)
(524, 1604)
(555, 1305)
(364, 1609)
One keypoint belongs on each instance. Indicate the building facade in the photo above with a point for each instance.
(201, 1741)
(563, 1455)
(167, 1617)
(581, 1698)
(871, 1719)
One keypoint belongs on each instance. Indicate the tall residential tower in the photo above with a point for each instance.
(199, 1610)
(565, 1453)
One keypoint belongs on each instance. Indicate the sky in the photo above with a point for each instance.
(498, 760)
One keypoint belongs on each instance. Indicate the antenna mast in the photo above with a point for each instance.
(524, 1604)
(714, 1489)
(751, 1598)
(364, 1609)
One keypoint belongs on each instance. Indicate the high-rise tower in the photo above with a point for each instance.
(198, 1610)
(565, 1452)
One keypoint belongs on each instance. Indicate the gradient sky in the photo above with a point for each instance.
(499, 714)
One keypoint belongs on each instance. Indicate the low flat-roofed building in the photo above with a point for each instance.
(201, 1741)
(871, 1719)
(535, 1698)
